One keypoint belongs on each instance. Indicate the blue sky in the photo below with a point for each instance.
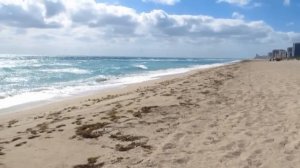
(169, 28)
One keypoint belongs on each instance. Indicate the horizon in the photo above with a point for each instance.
(113, 56)
(148, 28)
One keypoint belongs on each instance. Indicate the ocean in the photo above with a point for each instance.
(27, 79)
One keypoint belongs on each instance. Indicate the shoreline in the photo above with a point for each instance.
(240, 115)
(67, 82)
(103, 91)
(52, 133)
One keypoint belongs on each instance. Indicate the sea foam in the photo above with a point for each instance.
(36, 79)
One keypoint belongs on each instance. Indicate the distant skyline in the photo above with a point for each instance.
(163, 28)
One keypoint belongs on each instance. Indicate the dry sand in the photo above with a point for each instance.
(237, 116)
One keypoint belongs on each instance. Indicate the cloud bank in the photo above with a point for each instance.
(164, 2)
(236, 2)
(88, 27)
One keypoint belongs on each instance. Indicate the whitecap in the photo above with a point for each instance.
(15, 79)
(73, 88)
(67, 70)
(141, 66)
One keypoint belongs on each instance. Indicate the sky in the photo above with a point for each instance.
(152, 28)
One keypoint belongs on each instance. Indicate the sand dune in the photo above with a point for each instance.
(243, 115)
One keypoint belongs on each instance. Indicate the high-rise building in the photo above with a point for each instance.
(275, 53)
(279, 54)
(296, 50)
(290, 52)
(270, 54)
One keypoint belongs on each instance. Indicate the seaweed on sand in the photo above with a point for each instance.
(91, 163)
(90, 130)
(147, 109)
(125, 138)
(124, 148)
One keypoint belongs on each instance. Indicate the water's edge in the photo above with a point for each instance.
(21, 102)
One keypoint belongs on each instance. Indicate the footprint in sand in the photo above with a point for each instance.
(20, 144)
(168, 146)
(254, 159)
(182, 160)
(178, 136)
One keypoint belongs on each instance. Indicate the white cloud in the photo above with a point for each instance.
(165, 2)
(236, 2)
(237, 15)
(88, 27)
(53, 8)
(286, 2)
(197, 28)
(25, 14)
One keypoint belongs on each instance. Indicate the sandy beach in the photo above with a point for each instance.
(236, 116)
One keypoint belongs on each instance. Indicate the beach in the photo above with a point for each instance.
(241, 115)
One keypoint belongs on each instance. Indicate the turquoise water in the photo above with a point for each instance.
(32, 78)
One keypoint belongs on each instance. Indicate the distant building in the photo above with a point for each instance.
(279, 54)
(261, 57)
(282, 54)
(290, 52)
(275, 53)
(270, 54)
(296, 50)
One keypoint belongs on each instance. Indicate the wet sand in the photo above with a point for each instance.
(239, 116)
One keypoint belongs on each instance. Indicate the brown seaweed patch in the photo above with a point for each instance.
(130, 111)
(91, 163)
(218, 82)
(20, 144)
(78, 121)
(137, 114)
(32, 131)
(124, 148)
(4, 142)
(99, 165)
(205, 92)
(117, 160)
(90, 130)
(1, 153)
(42, 127)
(130, 103)
(61, 125)
(113, 116)
(147, 109)
(59, 119)
(11, 123)
(125, 138)
(33, 136)
(15, 139)
(167, 94)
